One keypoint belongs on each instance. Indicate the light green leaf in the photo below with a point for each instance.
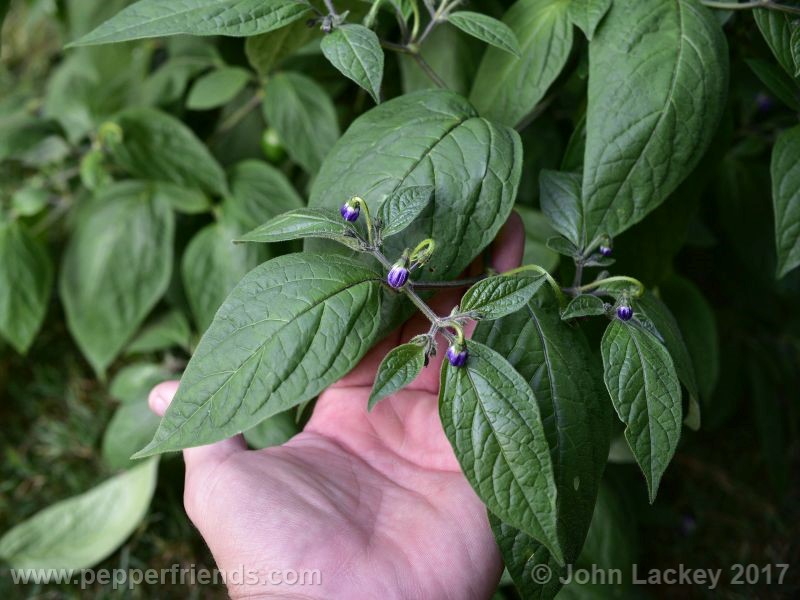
(492, 420)
(556, 362)
(266, 51)
(428, 138)
(185, 200)
(644, 388)
(274, 431)
(26, 281)
(501, 295)
(560, 198)
(259, 192)
(133, 423)
(169, 331)
(217, 88)
(289, 329)
(357, 53)
(587, 14)
(155, 18)
(303, 115)
(397, 369)
(487, 29)
(400, 209)
(117, 265)
(584, 305)
(158, 146)
(302, 223)
(79, 532)
(507, 88)
(134, 381)
(658, 76)
(29, 200)
(786, 199)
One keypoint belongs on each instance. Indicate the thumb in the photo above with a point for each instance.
(202, 456)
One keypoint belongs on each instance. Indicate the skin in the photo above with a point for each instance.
(376, 502)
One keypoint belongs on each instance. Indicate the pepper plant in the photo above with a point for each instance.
(546, 363)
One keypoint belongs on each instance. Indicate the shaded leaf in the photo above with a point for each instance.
(560, 198)
(584, 305)
(169, 331)
(587, 14)
(217, 88)
(357, 53)
(259, 192)
(785, 171)
(487, 29)
(274, 431)
(397, 369)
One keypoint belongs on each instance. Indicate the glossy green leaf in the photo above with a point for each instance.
(397, 369)
(584, 305)
(303, 223)
(646, 393)
(501, 295)
(487, 29)
(217, 88)
(785, 171)
(587, 14)
(266, 51)
(778, 29)
(303, 115)
(273, 431)
(169, 331)
(259, 192)
(357, 53)
(117, 265)
(560, 198)
(158, 146)
(507, 88)
(402, 206)
(154, 18)
(79, 532)
(289, 329)
(26, 281)
(429, 138)
(658, 74)
(555, 360)
(493, 422)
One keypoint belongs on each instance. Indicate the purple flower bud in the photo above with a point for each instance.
(397, 277)
(624, 313)
(456, 356)
(605, 250)
(349, 213)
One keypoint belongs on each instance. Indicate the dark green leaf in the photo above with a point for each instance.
(777, 29)
(786, 199)
(274, 431)
(134, 382)
(398, 368)
(640, 146)
(402, 206)
(587, 14)
(507, 88)
(487, 29)
(357, 53)
(584, 305)
(492, 420)
(79, 532)
(304, 117)
(501, 295)
(560, 198)
(170, 331)
(154, 18)
(266, 51)
(21, 133)
(289, 329)
(217, 88)
(537, 232)
(563, 246)
(302, 223)
(778, 82)
(452, 56)
(259, 192)
(644, 387)
(186, 200)
(26, 280)
(131, 427)
(117, 265)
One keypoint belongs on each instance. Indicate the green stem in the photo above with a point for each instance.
(456, 283)
(423, 64)
(766, 4)
(367, 218)
(415, 27)
(562, 300)
(369, 20)
(599, 283)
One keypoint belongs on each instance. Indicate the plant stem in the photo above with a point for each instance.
(537, 269)
(244, 110)
(423, 64)
(767, 4)
(331, 8)
(600, 282)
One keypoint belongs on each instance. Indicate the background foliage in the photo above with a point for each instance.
(126, 169)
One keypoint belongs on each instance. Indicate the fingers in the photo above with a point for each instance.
(159, 400)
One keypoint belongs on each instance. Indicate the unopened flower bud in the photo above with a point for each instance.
(457, 355)
(350, 212)
(605, 250)
(398, 275)
(624, 312)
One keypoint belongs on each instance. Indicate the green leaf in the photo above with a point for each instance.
(667, 328)
(537, 232)
(560, 198)
(402, 206)
(20, 133)
(501, 295)
(487, 29)
(237, 18)
(185, 200)
(79, 532)
(26, 280)
(786, 199)
(428, 138)
(302, 223)
(158, 146)
(699, 328)
(640, 146)
(170, 331)
(274, 431)
(795, 49)
(644, 388)
(584, 305)
(217, 88)
(303, 115)
(259, 192)
(587, 14)
(134, 381)
(117, 265)
(556, 362)
(212, 265)
(492, 420)
(452, 56)
(778, 29)
(507, 88)
(29, 201)
(266, 51)
(357, 53)
(397, 369)
(563, 246)
(289, 329)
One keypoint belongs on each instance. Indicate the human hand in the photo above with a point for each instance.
(375, 502)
